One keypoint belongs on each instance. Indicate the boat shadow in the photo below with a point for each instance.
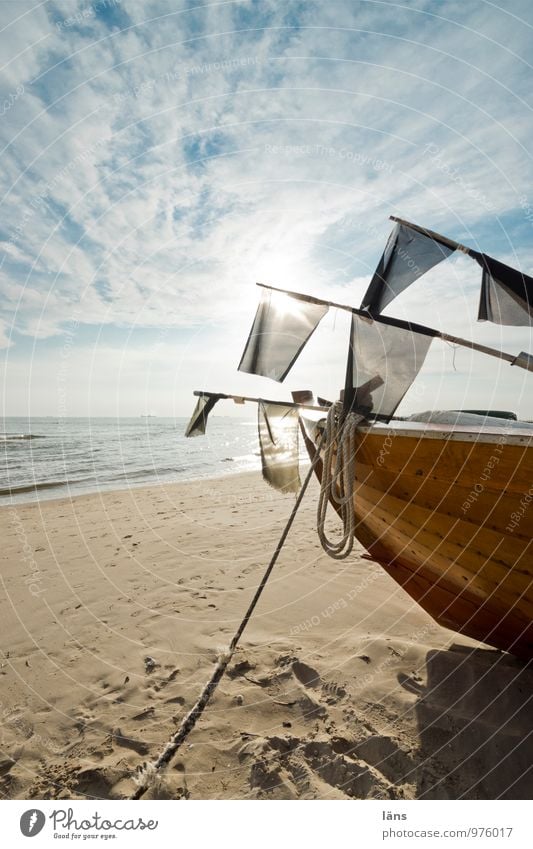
(475, 723)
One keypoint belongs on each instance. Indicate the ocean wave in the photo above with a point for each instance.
(9, 436)
(31, 487)
(146, 473)
(86, 456)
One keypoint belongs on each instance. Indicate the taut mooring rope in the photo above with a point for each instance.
(149, 771)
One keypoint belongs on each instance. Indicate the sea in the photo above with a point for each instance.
(45, 458)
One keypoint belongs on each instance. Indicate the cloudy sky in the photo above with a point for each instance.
(160, 156)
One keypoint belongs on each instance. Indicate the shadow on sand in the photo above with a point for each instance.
(475, 720)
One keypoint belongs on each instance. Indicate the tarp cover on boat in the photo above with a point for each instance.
(385, 360)
(198, 422)
(278, 438)
(465, 419)
(407, 256)
(282, 326)
(506, 294)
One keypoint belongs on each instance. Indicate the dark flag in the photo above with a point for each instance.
(278, 438)
(383, 363)
(506, 294)
(282, 326)
(198, 422)
(407, 256)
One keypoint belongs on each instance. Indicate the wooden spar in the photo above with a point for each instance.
(372, 417)
(444, 240)
(225, 397)
(513, 359)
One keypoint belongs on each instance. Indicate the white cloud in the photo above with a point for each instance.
(310, 123)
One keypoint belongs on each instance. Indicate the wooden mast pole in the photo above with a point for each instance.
(406, 325)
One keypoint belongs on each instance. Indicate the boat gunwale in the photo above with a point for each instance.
(454, 433)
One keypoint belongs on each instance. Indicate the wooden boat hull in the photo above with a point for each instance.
(448, 514)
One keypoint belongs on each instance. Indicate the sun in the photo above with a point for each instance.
(285, 305)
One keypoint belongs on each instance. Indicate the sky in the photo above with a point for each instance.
(160, 157)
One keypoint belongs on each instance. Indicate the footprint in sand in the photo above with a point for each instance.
(144, 714)
(5, 765)
(127, 742)
(164, 682)
(410, 684)
(305, 674)
(384, 755)
(96, 783)
(240, 668)
(333, 692)
(310, 769)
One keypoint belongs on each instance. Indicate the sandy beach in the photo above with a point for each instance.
(115, 606)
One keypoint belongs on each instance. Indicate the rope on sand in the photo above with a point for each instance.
(338, 480)
(149, 772)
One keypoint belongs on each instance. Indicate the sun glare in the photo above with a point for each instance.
(285, 305)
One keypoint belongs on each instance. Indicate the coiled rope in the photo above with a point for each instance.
(338, 480)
